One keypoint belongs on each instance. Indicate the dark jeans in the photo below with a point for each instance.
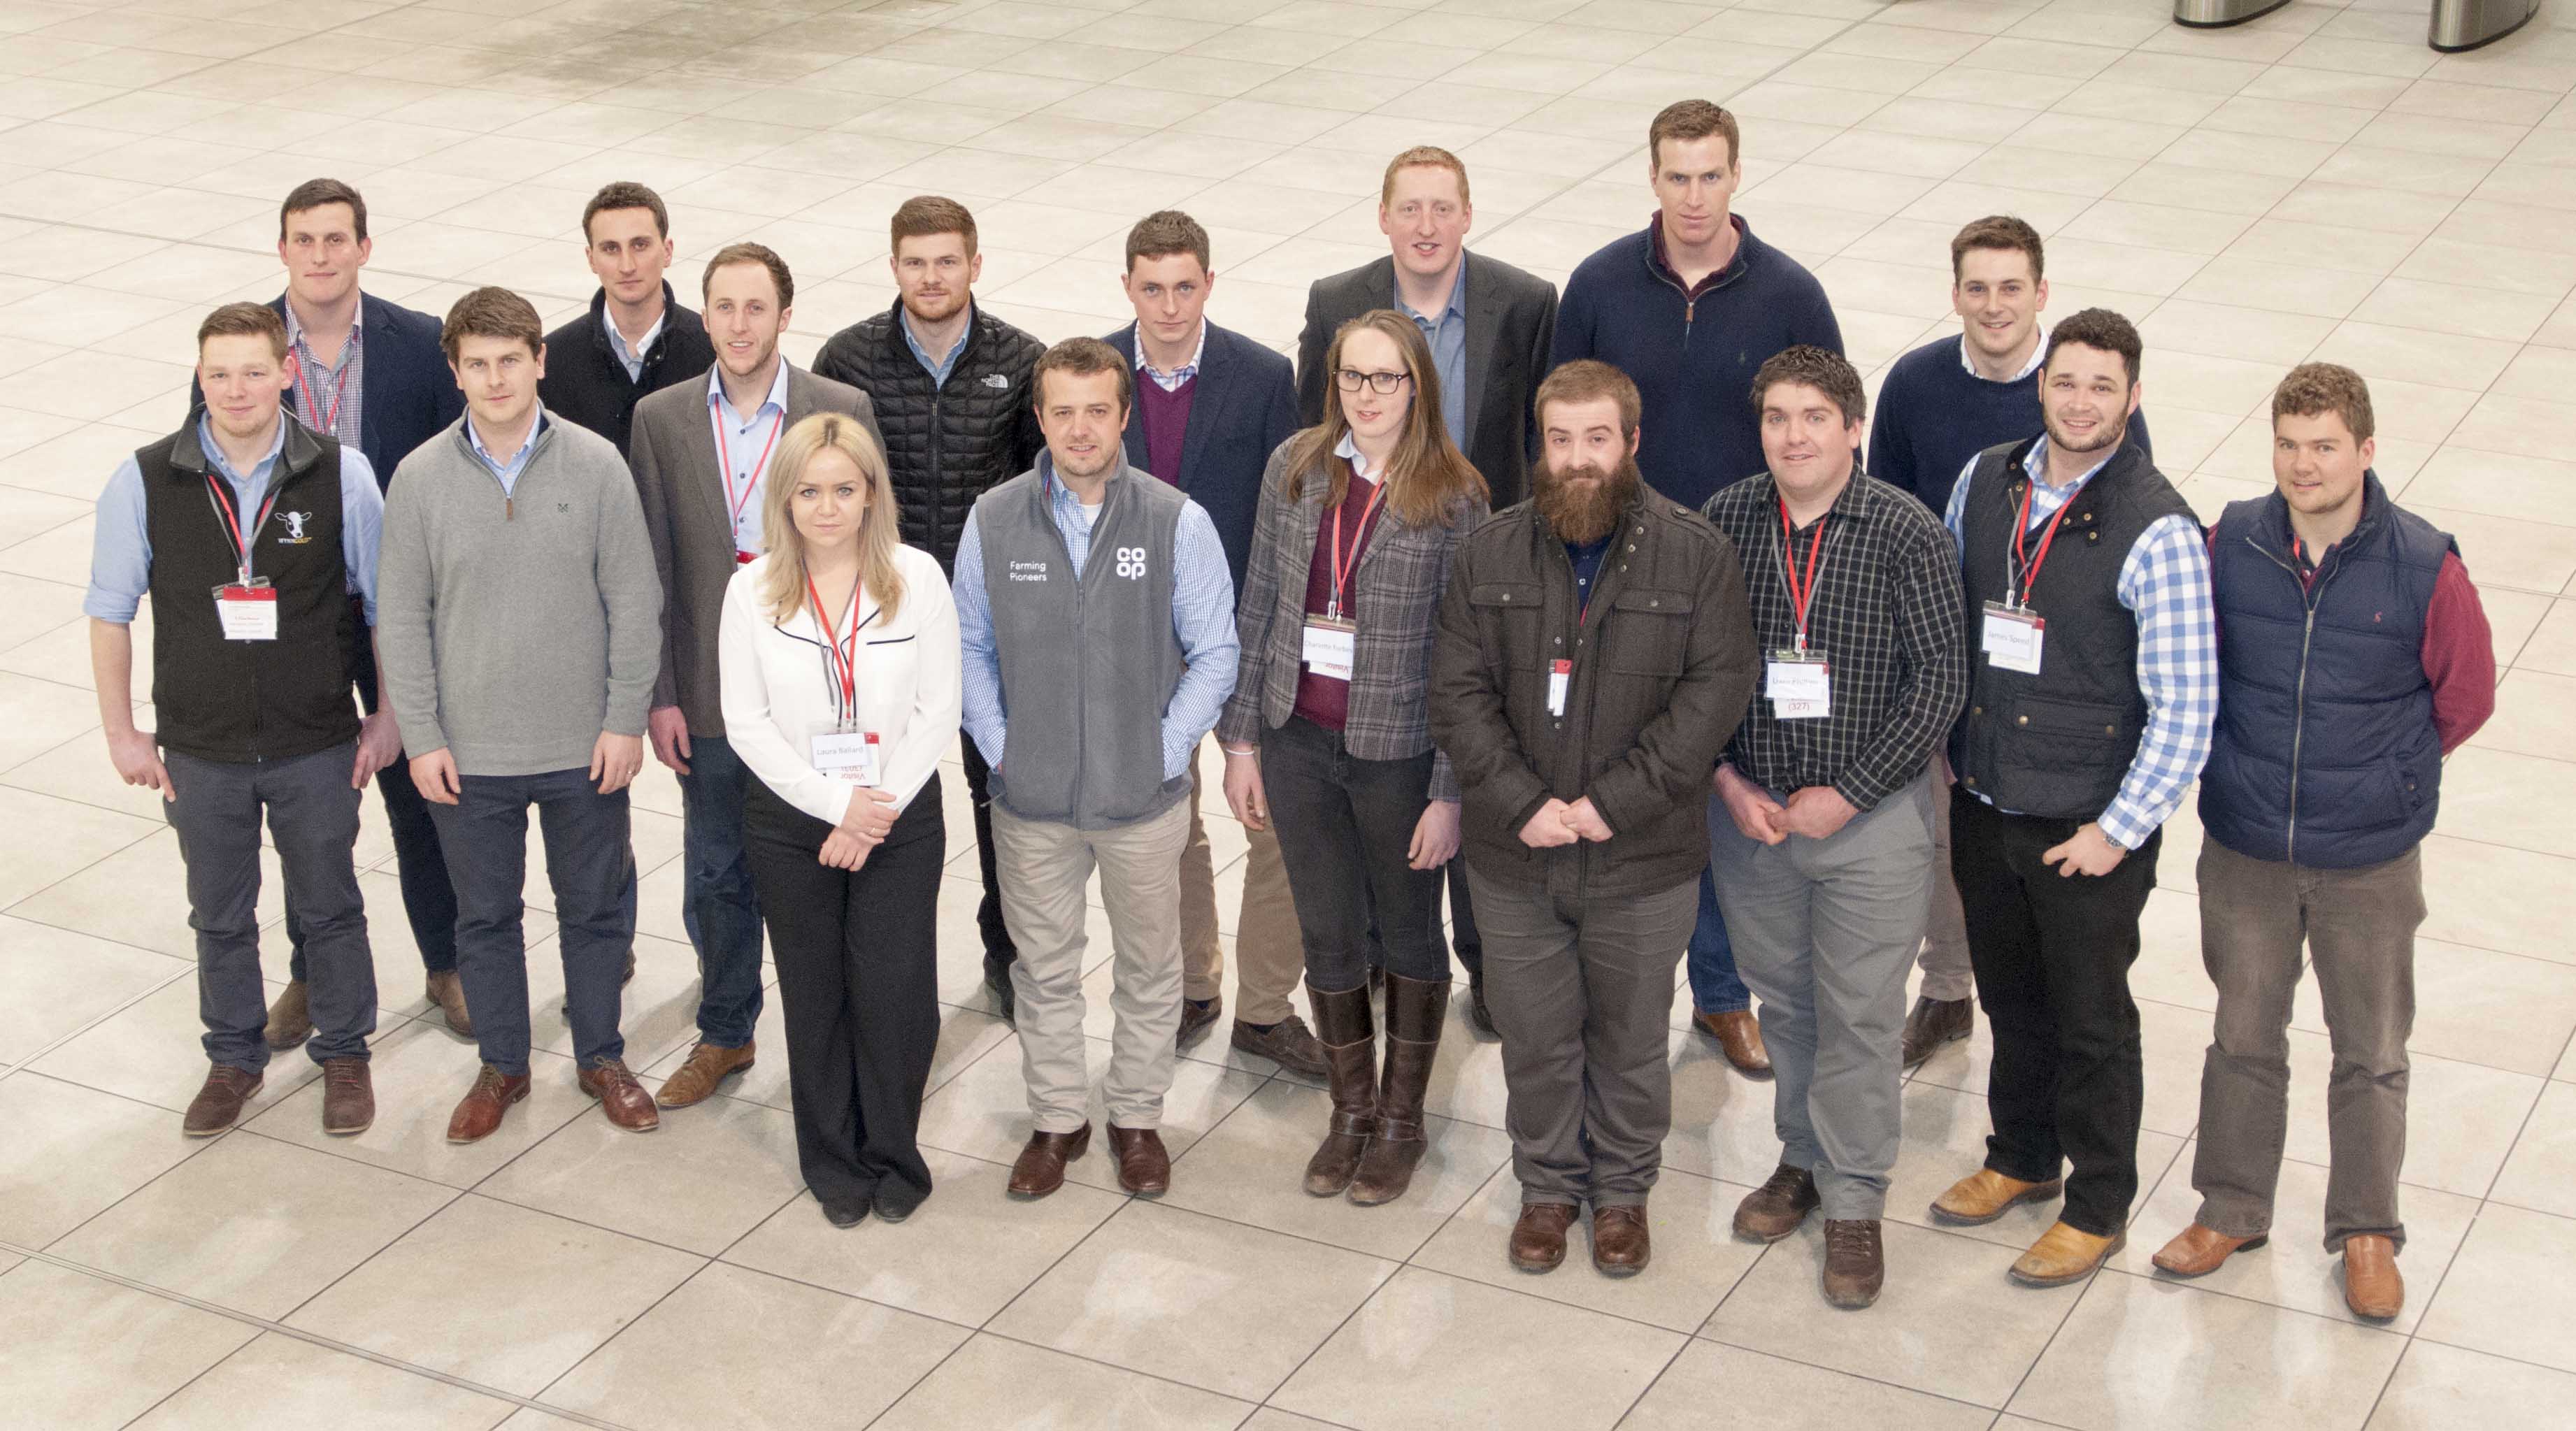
(588, 863)
(1715, 986)
(313, 815)
(998, 949)
(2052, 955)
(858, 986)
(429, 899)
(720, 907)
(1344, 824)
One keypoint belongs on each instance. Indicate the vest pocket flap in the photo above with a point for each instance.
(2072, 719)
(1507, 595)
(1653, 602)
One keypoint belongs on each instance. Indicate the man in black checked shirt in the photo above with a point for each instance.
(1823, 857)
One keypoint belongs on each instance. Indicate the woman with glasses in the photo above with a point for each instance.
(839, 659)
(1327, 729)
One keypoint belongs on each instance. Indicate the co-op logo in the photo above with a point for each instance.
(1131, 562)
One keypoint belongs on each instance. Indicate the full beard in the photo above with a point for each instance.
(2104, 438)
(1583, 511)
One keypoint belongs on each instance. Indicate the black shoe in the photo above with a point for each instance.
(895, 1200)
(1935, 1022)
(846, 1212)
(997, 982)
(1481, 1016)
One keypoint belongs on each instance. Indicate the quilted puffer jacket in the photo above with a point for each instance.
(946, 444)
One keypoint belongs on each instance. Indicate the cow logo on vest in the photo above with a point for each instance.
(1131, 562)
(295, 535)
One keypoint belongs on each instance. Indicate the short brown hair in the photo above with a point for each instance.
(313, 194)
(1430, 156)
(2314, 388)
(1688, 119)
(491, 312)
(258, 320)
(1164, 233)
(1589, 380)
(2102, 329)
(1081, 357)
(923, 215)
(1823, 369)
(762, 254)
(625, 194)
(2002, 232)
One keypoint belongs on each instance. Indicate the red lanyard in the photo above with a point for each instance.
(2025, 572)
(223, 500)
(842, 658)
(1368, 512)
(329, 426)
(736, 501)
(1802, 586)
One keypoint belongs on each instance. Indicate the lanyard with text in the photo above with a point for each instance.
(2014, 634)
(1798, 680)
(736, 501)
(327, 420)
(245, 609)
(844, 751)
(1330, 642)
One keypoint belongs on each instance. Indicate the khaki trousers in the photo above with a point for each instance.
(1270, 955)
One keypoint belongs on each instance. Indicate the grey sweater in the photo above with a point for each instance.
(514, 630)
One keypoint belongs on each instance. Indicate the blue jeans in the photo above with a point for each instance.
(719, 907)
(1715, 989)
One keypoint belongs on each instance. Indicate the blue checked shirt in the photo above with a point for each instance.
(340, 393)
(1202, 617)
(1171, 382)
(2165, 584)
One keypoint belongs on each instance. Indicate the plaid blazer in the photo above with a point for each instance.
(1395, 598)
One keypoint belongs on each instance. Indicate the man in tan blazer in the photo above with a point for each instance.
(701, 452)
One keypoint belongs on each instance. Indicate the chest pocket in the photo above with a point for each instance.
(1649, 633)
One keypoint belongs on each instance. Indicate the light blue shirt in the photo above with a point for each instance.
(940, 368)
(1202, 619)
(1447, 335)
(120, 562)
(632, 358)
(508, 471)
(747, 446)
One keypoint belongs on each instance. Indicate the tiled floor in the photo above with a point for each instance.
(2318, 183)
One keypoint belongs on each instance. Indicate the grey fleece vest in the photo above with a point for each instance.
(1088, 664)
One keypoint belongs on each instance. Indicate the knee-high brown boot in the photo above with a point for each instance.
(1350, 1067)
(1415, 1010)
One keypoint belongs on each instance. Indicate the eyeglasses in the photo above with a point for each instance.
(1349, 380)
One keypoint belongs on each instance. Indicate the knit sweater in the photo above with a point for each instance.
(516, 629)
(1934, 414)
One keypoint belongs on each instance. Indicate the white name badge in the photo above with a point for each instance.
(1331, 648)
(848, 755)
(1801, 687)
(248, 613)
(1560, 674)
(2013, 638)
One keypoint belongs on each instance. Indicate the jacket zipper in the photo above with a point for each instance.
(2308, 598)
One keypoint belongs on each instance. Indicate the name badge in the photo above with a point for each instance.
(1800, 685)
(2013, 638)
(1560, 674)
(248, 613)
(1331, 647)
(851, 755)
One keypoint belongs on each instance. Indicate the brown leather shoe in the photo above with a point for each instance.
(447, 990)
(1287, 1043)
(2371, 1286)
(620, 1095)
(708, 1065)
(1040, 1168)
(1984, 1195)
(1775, 1209)
(2063, 1254)
(1620, 1247)
(478, 1114)
(1197, 1017)
(1144, 1168)
(290, 1019)
(1415, 1011)
(1855, 1262)
(1349, 1046)
(1935, 1022)
(348, 1097)
(2197, 1251)
(1740, 1035)
(1538, 1239)
(218, 1104)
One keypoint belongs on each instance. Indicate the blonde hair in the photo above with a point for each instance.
(1428, 481)
(783, 586)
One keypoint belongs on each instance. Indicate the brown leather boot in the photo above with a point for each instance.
(2197, 1251)
(1739, 1036)
(1415, 1010)
(1620, 1247)
(219, 1101)
(2371, 1286)
(348, 1097)
(1350, 1070)
(2064, 1254)
(1040, 1167)
(290, 1019)
(446, 989)
(1984, 1195)
(708, 1065)
(1855, 1262)
(1538, 1239)
(1775, 1209)
(478, 1114)
(1144, 1164)
(620, 1096)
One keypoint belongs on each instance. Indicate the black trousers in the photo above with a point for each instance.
(1344, 825)
(2052, 955)
(999, 951)
(858, 986)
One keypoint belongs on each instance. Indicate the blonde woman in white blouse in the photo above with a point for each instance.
(839, 662)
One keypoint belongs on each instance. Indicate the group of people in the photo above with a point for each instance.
(1583, 616)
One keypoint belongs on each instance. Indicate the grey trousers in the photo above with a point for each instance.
(1582, 994)
(1946, 973)
(2359, 927)
(1824, 931)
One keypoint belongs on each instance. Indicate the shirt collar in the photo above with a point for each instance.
(1457, 303)
(1179, 375)
(260, 470)
(2036, 464)
(2038, 355)
(617, 340)
(1349, 451)
(913, 340)
(1662, 260)
(474, 435)
(357, 325)
(777, 391)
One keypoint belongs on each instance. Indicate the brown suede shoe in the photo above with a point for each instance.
(446, 989)
(1040, 1169)
(1620, 1247)
(1984, 1195)
(1740, 1035)
(2063, 1254)
(2371, 1286)
(1287, 1043)
(218, 1104)
(620, 1096)
(1538, 1239)
(290, 1019)
(1775, 1209)
(1935, 1022)
(2196, 1251)
(348, 1097)
(708, 1065)
(1144, 1168)
(1855, 1262)
(1197, 1017)
(478, 1114)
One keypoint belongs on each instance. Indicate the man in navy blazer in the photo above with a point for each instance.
(1211, 405)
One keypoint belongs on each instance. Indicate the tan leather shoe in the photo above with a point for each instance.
(1538, 1239)
(348, 1097)
(290, 1019)
(2062, 1255)
(2197, 1251)
(1620, 1246)
(219, 1101)
(447, 990)
(1984, 1195)
(1040, 1168)
(1144, 1165)
(2371, 1286)
(621, 1096)
(1740, 1036)
(708, 1065)
(1775, 1209)
(478, 1114)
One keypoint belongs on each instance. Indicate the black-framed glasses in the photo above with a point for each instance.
(1349, 380)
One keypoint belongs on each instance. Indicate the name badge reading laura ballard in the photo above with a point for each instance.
(1800, 685)
(2013, 638)
(848, 755)
(248, 613)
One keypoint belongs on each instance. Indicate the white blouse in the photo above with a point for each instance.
(779, 691)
